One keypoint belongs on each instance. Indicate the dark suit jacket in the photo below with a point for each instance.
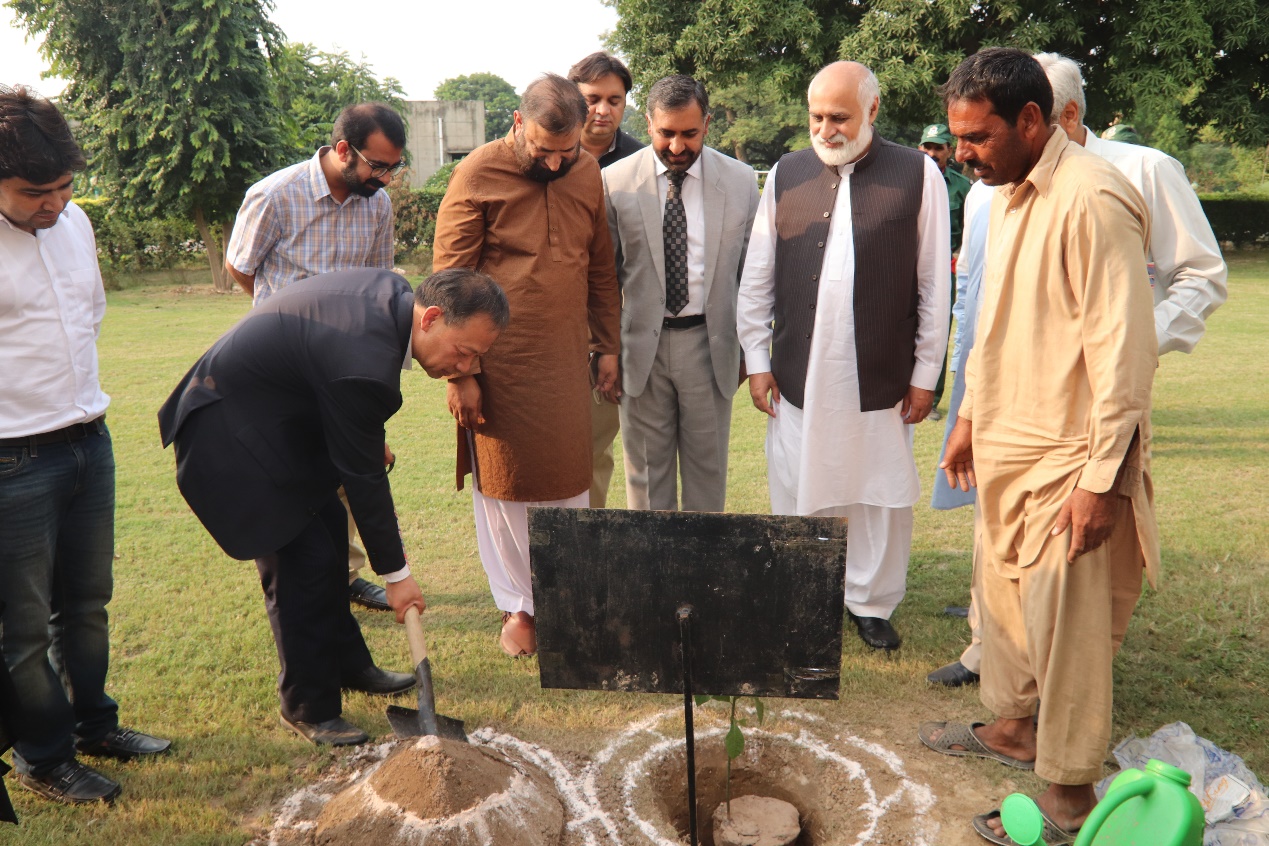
(625, 146)
(290, 404)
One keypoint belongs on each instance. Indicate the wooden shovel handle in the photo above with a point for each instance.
(414, 631)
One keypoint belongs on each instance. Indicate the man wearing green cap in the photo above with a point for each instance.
(936, 142)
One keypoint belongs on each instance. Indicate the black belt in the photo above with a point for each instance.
(683, 322)
(73, 432)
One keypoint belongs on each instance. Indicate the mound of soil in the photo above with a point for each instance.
(445, 794)
(756, 821)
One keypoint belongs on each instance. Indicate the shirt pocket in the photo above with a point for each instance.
(77, 290)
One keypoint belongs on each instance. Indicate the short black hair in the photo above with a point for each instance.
(1003, 76)
(36, 143)
(671, 93)
(461, 293)
(597, 66)
(358, 122)
(554, 103)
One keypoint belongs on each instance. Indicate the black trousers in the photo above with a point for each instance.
(306, 594)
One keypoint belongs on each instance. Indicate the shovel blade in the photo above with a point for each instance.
(406, 723)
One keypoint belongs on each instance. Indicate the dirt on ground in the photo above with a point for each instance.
(883, 788)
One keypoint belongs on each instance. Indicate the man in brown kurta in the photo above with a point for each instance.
(528, 210)
(1055, 430)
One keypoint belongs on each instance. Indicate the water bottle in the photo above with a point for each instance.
(1151, 807)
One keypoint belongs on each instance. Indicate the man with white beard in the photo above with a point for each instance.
(848, 262)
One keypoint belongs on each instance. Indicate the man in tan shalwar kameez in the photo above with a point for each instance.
(1055, 430)
(528, 210)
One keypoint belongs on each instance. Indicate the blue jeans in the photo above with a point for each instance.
(57, 513)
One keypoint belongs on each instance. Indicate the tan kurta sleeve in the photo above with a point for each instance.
(603, 302)
(1106, 261)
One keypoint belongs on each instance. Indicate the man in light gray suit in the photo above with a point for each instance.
(680, 215)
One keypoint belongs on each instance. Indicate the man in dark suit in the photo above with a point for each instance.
(282, 410)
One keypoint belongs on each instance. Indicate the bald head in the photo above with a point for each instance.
(842, 103)
(848, 79)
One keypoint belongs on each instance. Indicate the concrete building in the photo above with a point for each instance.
(441, 131)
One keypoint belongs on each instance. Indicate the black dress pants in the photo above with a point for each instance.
(306, 594)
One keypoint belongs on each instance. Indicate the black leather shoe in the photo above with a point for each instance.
(72, 783)
(368, 595)
(954, 674)
(379, 682)
(876, 632)
(956, 611)
(334, 732)
(124, 744)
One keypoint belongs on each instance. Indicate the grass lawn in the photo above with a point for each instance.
(193, 659)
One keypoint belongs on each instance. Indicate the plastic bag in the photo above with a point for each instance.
(1234, 801)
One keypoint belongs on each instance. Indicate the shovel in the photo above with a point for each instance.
(407, 722)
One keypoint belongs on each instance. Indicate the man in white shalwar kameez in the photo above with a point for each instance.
(848, 256)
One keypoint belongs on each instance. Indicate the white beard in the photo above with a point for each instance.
(845, 154)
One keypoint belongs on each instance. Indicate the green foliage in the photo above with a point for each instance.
(175, 99)
(314, 86)
(126, 243)
(439, 180)
(1240, 219)
(635, 124)
(496, 93)
(415, 217)
(756, 122)
(1210, 51)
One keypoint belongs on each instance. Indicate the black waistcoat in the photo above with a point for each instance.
(885, 201)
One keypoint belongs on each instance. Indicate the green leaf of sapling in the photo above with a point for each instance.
(734, 742)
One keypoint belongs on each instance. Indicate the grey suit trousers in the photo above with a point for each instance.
(679, 425)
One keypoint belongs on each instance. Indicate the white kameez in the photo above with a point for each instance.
(829, 458)
(849, 456)
(502, 537)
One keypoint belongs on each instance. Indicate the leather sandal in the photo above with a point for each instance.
(959, 734)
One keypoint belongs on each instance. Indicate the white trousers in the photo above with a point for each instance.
(502, 536)
(878, 542)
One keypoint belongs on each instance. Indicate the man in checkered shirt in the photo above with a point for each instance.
(325, 214)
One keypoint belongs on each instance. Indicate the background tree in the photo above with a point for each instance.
(499, 97)
(756, 122)
(313, 86)
(175, 98)
(1209, 54)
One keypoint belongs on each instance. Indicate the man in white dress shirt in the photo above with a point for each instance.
(680, 214)
(848, 258)
(1186, 268)
(57, 467)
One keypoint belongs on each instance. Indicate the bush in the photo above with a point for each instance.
(415, 217)
(126, 244)
(1238, 219)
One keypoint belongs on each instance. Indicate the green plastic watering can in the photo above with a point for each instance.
(1151, 807)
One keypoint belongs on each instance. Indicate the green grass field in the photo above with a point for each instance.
(193, 659)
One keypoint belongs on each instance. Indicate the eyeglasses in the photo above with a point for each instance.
(377, 169)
